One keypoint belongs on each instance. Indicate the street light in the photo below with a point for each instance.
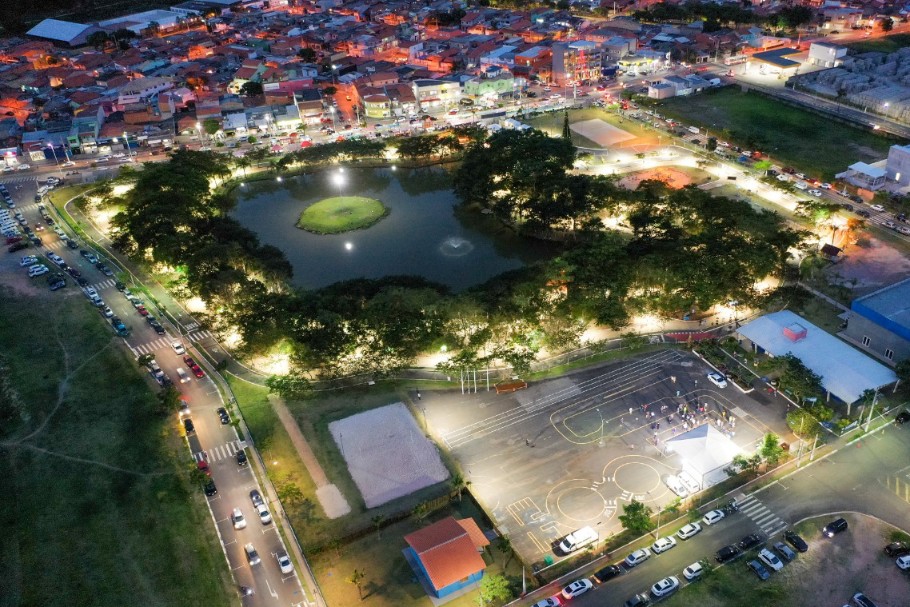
(199, 130)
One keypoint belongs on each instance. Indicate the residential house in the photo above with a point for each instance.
(446, 556)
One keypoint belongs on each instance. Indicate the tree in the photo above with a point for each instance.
(566, 131)
(903, 369)
(505, 546)
(771, 450)
(636, 517)
(210, 126)
(98, 39)
(711, 144)
(307, 54)
(421, 511)
(746, 464)
(356, 578)
(329, 90)
(291, 387)
(493, 588)
(290, 493)
(803, 424)
(459, 484)
(377, 521)
(168, 400)
(251, 89)
(887, 24)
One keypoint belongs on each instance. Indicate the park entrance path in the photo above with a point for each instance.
(330, 498)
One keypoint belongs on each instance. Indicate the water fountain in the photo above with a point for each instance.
(456, 246)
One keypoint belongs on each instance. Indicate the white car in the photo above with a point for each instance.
(284, 562)
(576, 588)
(69, 163)
(713, 517)
(638, 557)
(665, 586)
(265, 517)
(33, 272)
(783, 177)
(23, 167)
(688, 531)
(28, 260)
(693, 571)
(676, 486)
(251, 555)
(578, 539)
(770, 559)
(877, 207)
(238, 519)
(825, 186)
(903, 562)
(717, 379)
(107, 312)
(90, 292)
(815, 192)
(663, 544)
(553, 601)
(690, 483)
(178, 347)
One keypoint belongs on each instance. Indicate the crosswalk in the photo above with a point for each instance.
(104, 284)
(192, 326)
(200, 335)
(19, 179)
(766, 520)
(152, 346)
(219, 453)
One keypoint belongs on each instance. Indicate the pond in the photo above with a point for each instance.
(426, 233)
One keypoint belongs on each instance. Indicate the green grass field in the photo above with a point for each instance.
(810, 142)
(888, 44)
(99, 508)
(341, 214)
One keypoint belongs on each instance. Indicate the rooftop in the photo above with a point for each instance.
(889, 307)
(845, 371)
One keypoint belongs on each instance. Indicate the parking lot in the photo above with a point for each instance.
(569, 452)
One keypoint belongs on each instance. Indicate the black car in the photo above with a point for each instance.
(863, 213)
(727, 553)
(796, 541)
(897, 549)
(119, 286)
(847, 206)
(241, 458)
(57, 284)
(82, 282)
(18, 246)
(105, 270)
(835, 527)
(72, 244)
(751, 540)
(759, 570)
(862, 600)
(35, 240)
(639, 600)
(210, 488)
(157, 327)
(188, 426)
(902, 417)
(608, 573)
(223, 414)
(73, 272)
(256, 498)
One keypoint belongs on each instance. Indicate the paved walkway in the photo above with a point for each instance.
(330, 498)
(824, 297)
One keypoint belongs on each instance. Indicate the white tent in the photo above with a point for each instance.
(705, 452)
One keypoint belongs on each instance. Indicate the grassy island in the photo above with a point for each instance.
(341, 214)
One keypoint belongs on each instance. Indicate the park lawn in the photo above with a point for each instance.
(99, 505)
(552, 123)
(795, 137)
(388, 579)
(341, 214)
(887, 44)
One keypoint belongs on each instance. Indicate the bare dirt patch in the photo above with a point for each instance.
(387, 453)
(603, 133)
(871, 267)
(674, 178)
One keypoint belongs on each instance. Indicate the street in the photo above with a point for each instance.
(213, 441)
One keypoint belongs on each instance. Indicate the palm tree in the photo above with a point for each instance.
(357, 579)
(505, 546)
(459, 484)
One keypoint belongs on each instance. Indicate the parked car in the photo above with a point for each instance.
(578, 539)
(750, 541)
(284, 562)
(903, 562)
(666, 586)
(693, 571)
(902, 417)
(713, 517)
(241, 458)
(759, 570)
(252, 556)
(877, 207)
(210, 488)
(717, 379)
(663, 544)
(637, 557)
(256, 497)
(862, 600)
(638, 600)
(727, 553)
(897, 549)
(770, 559)
(834, 527)
(607, 573)
(784, 551)
(576, 589)
(688, 531)
(553, 601)
(676, 485)
(265, 517)
(796, 541)
(238, 519)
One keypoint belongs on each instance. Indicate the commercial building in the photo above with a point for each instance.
(826, 55)
(575, 61)
(897, 167)
(845, 371)
(879, 323)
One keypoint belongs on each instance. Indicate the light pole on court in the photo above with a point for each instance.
(600, 443)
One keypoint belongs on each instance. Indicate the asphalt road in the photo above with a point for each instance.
(212, 441)
(871, 476)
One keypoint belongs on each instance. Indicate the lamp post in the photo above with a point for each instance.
(334, 126)
(126, 142)
(199, 131)
(57, 160)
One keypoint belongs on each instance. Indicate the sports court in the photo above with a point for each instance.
(387, 454)
(600, 132)
(569, 452)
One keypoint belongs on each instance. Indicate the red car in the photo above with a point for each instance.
(142, 311)
(204, 466)
(197, 371)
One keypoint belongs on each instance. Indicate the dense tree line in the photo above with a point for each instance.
(718, 15)
(677, 251)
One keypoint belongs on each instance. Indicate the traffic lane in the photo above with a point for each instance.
(641, 578)
(861, 477)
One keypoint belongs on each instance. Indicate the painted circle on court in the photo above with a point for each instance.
(581, 504)
(637, 478)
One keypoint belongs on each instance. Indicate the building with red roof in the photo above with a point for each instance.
(447, 555)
